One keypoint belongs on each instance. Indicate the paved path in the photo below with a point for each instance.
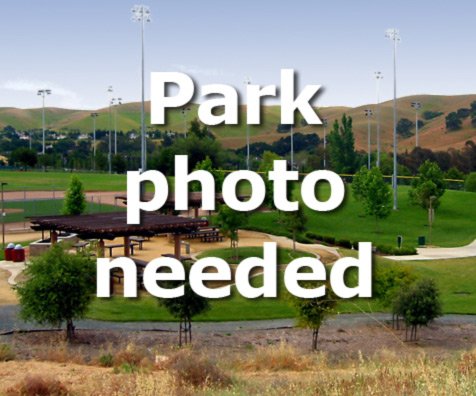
(439, 253)
(9, 322)
(14, 269)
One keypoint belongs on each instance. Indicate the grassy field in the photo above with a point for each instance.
(455, 278)
(454, 221)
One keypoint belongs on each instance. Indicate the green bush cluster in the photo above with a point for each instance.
(299, 237)
(395, 251)
(470, 182)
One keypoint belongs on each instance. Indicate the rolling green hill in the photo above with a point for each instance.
(433, 135)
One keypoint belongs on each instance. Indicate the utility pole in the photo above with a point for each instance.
(324, 122)
(94, 116)
(247, 81)
(184, 115)
(109, 155)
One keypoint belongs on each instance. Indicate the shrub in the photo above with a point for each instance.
(355, 244)
(470, 183)
(386, 249)
(345, 243)
(6, 353)
(38, 386)
(191, 369)
(106, 360)
(329, 239)
(131, 356)
(405, 251)
(428, 115)
(304, 239)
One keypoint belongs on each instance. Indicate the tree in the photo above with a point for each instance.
(453, 122)
(229, 220)
(75, 199)
(313, 312)
(378, 198)
(470, 182)
(118, 164)
(266, 165)
(59, 287)
(342, 153)
(199, 132)
(295, 222)
(404, 127)
(429, 115)
(463, 113)
(418, 305)
(25, 156)
(430, 183)
(218, 176)
(359, 185)
(185, 307)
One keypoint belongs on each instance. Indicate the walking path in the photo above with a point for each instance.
(439, 253)
(10, 322)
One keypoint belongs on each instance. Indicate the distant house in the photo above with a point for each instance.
(133, 135)
(83, 137)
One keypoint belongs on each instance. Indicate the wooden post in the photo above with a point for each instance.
(54, 237)
(178, 247)
(101, 249)
(127, 246)
(196, 212)
(170, 212)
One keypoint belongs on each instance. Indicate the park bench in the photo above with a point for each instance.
(119, 245)
(183, 258)
(80, 245)
(211, 238)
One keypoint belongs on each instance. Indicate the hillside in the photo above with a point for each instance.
(433, 135)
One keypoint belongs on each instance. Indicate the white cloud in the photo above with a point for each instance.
(63, 97)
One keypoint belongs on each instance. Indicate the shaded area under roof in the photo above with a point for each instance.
(114, 224)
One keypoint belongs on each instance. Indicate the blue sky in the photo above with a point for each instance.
(78, 48)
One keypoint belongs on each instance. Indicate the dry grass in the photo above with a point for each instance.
(60, 351)
(6, 353)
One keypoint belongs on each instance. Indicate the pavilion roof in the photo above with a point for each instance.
(114, 224)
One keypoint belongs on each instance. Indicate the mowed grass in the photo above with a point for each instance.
(456, 280)
(455, 220)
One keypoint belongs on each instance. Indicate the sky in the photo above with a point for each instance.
(79, 48)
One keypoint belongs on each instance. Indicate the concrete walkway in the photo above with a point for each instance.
(439, 253)
(9, 321)
(14, 268)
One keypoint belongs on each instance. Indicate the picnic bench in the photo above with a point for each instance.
(183, 258)
(80, 245)
(120, 245)
(210, 236)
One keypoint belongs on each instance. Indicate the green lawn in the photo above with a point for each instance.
(455, 223)
(44, 207)
(453, 276)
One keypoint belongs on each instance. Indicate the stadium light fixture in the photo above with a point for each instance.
(393, 34)
(43, 93)
(378, 76)
(110, 90)
(141, 13)
(416, 106)
(115, 102)
(369, 114)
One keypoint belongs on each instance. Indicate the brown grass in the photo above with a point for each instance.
(38, 386)
(6, 353)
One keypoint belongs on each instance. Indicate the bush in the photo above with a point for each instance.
(428, 115)
(470, 183)
(191, 369)
(313, 235)
(6, 353)
(355, 244)
(394, 251)
(386, 249)
(106, 360)
(304, 239)
(345, 243)
(329, 239)
(38, 386)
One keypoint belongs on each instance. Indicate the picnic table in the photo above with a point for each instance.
(209, 236)
(183, 258)
(119, 245)
(80, 245)
(139, 240)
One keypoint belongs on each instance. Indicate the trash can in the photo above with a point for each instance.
(421, 241)
(18, 254)
(9, 251)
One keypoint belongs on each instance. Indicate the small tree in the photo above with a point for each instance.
(295, 222)
(59, 288)
(313, 312)
(418, 305)
(470, 182)
(186, 307)
(378, 197)
(430, 183)
(229, 220)
(75, 199)
(207, 165)
(453, 122)
(25, 156)
(359, 185)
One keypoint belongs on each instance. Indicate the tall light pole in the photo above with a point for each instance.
(324, 122)
(94, 116)
(115, 102)
(141, 14)
(3, 217)
(416, 106)
(431, 216)
(43, 93)
(378, 76)
(247, 81)
(184, 115)
(109, 155)
(393, 34)
(292, 147)
(369, 114)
